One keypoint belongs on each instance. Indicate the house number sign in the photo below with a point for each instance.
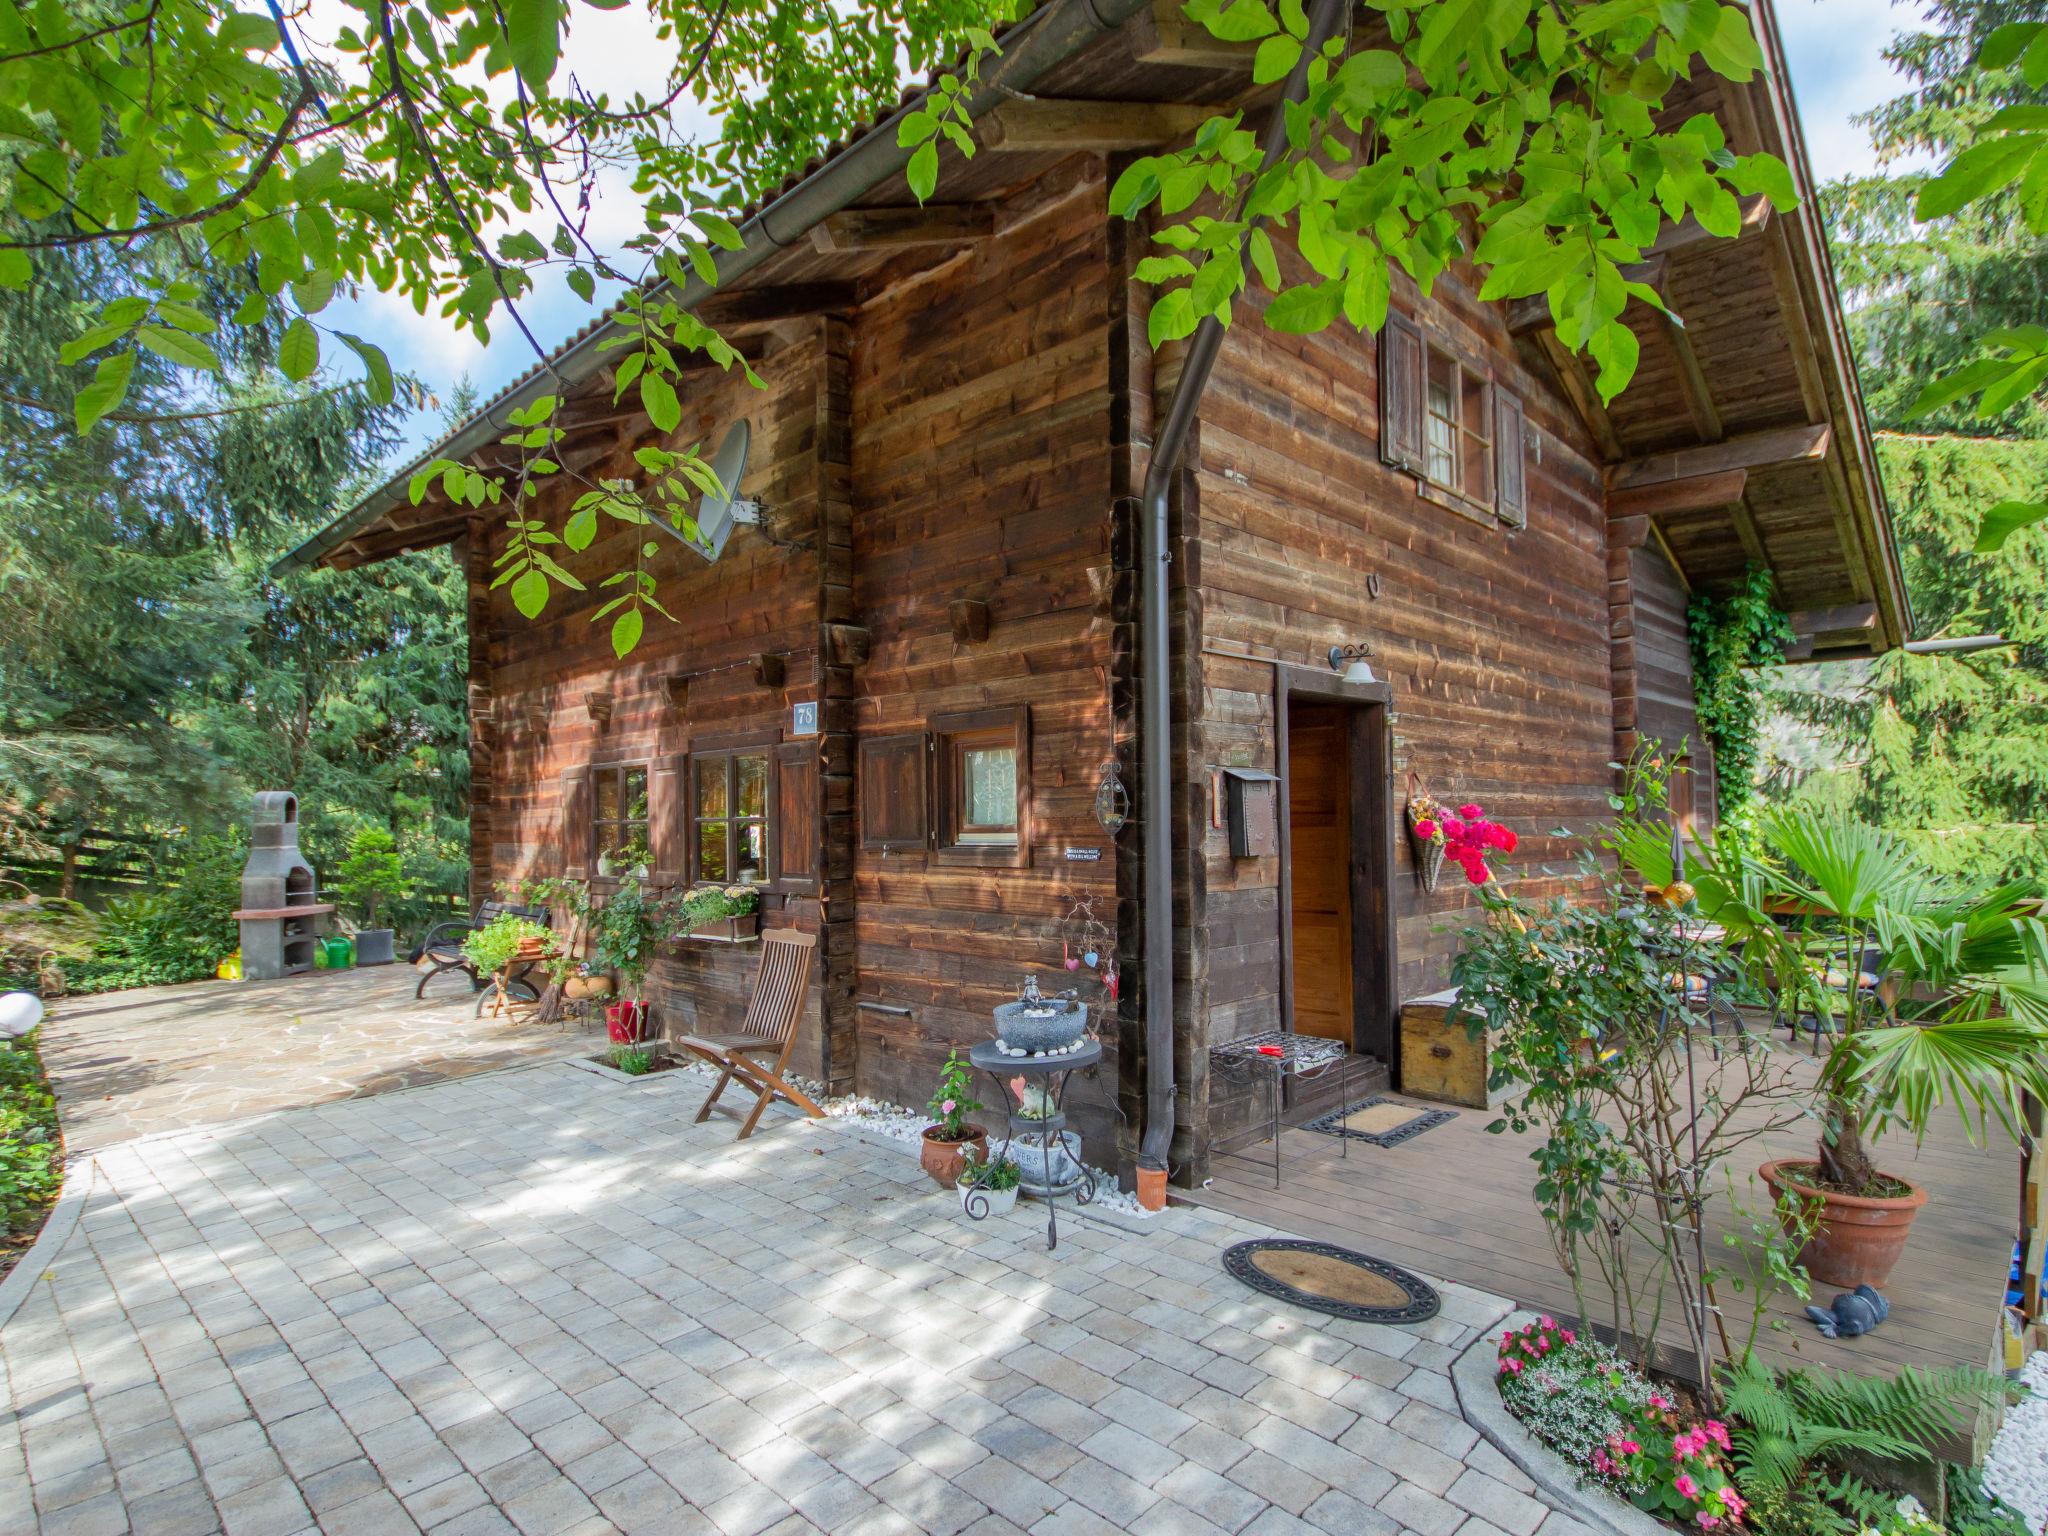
(803, 719)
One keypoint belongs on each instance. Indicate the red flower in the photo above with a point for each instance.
(1470, 812)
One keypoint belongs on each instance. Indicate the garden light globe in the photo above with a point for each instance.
(20, 1012)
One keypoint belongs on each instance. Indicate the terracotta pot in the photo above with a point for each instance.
(1152, 1188)
(944, 1159)
(1860, 1237)
(582, 988)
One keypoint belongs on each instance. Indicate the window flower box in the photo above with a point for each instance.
(742, 929)
(713, 914)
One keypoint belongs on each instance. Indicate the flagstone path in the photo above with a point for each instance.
(543, 1300)
(129, 1064)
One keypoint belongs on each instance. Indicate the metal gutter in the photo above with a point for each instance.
(1036, 44)
(1960, 645)
(1155, 729)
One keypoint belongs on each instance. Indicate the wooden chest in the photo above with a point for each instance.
(1439, 1059)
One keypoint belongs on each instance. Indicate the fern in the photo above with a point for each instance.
(1791, 1432)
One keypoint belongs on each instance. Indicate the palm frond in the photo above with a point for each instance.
(1981, 1065)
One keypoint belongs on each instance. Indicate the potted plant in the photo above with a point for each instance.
(719, 914)
(949, 1139)
(623, 943)
(371, 872)
(988, 1186)
(1928, 992)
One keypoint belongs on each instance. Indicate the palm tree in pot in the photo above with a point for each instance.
(1920, 990)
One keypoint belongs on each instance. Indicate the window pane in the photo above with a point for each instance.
(636, 794)
(711, 851)
(753, 785)
(753, 837)
(607, 795)
(1440, 422)
(711, 786)
(989, 784)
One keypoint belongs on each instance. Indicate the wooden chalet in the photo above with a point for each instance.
(894, 705)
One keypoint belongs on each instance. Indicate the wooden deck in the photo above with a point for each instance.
(1455, 1203)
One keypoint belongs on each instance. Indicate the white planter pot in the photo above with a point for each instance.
(978, 1202)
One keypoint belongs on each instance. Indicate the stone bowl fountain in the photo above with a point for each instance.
(1039, 1026)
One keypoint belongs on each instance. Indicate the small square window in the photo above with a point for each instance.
(982, 764)
(730, 812)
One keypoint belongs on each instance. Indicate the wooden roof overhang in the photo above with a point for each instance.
(1742, 438)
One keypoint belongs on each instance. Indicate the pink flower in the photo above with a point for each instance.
(1733, 1503)
(1543, 1346)
(1473, 813)
(946, 1108)
(1512, 1366)
(1569, 1336)
(1659, 1402)
(1425, 829)
(1718, 1433)
(1630, 1448)
(1707, 1521)
(1687, 1488)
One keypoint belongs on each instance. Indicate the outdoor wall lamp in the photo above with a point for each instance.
(1350, 661)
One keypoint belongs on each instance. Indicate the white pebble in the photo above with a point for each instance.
(2017, 1467)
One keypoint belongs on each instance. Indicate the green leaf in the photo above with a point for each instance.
(1306, 308)
(658, 399)
(178, 347)
(109, 387)
(298, 354)
(1136, 187)
(15, 269)
(2006, 519)
(530, 592)
(1173, 316)
(717, 230)
(1615, 348)
(1263, 260)
(533, 37)
(186, 318)
(1977, 172)
(376, 367)
(2005, 45)
(1769, 175)
(581, 529)
(1732, 51)
(582, 284)
(626, 632)
(923, 170)
(312, 292)
(1274, 59)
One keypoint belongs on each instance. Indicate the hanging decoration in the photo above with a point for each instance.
(1112, 800)
(1426, 819)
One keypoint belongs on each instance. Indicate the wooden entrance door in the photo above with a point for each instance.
(1319, 795)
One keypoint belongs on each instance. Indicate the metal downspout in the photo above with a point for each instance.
(1156, 715)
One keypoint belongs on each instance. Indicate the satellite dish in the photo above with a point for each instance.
(718, 515)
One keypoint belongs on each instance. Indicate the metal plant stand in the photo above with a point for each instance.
(1054, 1071)
(1290, 1055)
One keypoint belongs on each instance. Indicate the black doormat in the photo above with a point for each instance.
(1380, 1120)
(1329, 1279)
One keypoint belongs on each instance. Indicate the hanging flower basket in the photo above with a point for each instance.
(1426, 817)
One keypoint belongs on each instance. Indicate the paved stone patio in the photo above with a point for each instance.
(155, 1059)
(542, 1300)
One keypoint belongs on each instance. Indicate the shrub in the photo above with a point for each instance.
(31, 1151)
(179, 932)
(1575, 1394)
(633, 1060)
(371, 872)
(491, 947)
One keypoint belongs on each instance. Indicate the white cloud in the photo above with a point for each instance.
(1836, 52)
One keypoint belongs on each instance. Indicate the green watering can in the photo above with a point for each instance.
(334, 953)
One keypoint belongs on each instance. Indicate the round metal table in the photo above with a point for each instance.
(1055, 1071)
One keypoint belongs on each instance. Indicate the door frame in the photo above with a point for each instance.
(1374, 1001)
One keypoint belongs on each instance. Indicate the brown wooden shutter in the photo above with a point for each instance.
(1401, 384)
(793, 859)
(892, 792)
(576, 823)
(1510, 458)
(668, 813)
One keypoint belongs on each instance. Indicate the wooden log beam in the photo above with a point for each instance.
(888, 229)
(1833, 621)
(1698, 493)
(1164, 35)
(1036, 123)
(1692, 380)
(755, 306)
(1754, 450)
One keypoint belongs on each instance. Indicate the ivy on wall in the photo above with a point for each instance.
(1732, 632)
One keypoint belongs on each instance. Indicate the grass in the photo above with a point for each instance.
(31, 1149)
(633, 1060)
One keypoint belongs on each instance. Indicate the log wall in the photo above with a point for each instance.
(981, 472)
(766, 594)
(1495, 640)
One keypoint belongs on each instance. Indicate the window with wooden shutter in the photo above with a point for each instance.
(794, 852)
(731, 812)
(981, 787)
(1401, 393)
(669, 818)
(576, 823)
(892, 792)
(1511, 470)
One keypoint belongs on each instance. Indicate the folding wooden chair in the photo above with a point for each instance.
(769, 1029)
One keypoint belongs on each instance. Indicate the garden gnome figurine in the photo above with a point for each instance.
(1853, 1312)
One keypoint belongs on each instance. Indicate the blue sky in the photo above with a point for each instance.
(1835, 48)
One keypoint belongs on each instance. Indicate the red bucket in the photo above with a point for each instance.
(625, 1022)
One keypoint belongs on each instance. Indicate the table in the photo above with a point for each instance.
(1055, 1071)
(1291, 1055)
